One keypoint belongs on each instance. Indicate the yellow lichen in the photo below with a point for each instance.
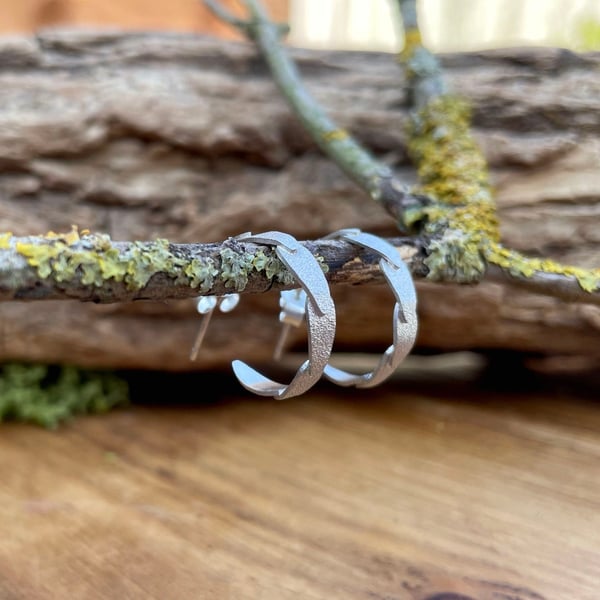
(412, 40)
(518, 265)
(448, 159)
(458, 215)
(92, 259)
(453, 172)
(5, 240)
(334, 135)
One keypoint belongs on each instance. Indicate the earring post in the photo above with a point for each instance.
(200, 335)
(285, 332)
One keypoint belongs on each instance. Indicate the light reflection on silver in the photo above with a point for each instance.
(405, 311)
(320, 319)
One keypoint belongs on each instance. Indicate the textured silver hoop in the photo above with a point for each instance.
(405, 311)
(320, 318)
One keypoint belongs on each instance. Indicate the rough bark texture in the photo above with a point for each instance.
(186, 138)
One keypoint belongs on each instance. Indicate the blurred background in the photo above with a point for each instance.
(448, 25)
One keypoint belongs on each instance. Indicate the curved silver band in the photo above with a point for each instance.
(320, 318)
(405, 311)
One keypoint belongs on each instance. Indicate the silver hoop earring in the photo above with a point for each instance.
(320, 318)
(405, 311)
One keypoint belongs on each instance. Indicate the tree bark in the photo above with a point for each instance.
(178, 136)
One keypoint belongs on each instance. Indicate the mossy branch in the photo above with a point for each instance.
(461, 220)
(453, 208)
(92, 267)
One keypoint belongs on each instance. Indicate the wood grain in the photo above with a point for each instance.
(429, 488)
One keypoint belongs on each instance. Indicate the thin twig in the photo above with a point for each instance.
(423, 69)
(555, 285)
(225, 15)
(373, 176)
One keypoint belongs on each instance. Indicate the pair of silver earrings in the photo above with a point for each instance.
(313, 302)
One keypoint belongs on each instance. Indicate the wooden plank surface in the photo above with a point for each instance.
(427, 488)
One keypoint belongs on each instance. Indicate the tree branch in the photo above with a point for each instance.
(422, 68)
(453, 171)
(92, 267)
(453, 208)
(373, 176)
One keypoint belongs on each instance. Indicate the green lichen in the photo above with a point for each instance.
(236, 268)
(272, 267)
(48, 396)
(324, 266)
(456, 256)
(201, 273)
(93, 259)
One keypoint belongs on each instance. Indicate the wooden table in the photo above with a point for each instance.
(430, 487)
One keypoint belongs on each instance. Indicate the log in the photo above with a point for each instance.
(146, 135)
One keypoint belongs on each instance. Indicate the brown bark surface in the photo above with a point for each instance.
(184, 137)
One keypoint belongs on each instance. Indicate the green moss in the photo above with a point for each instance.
(48, 396)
